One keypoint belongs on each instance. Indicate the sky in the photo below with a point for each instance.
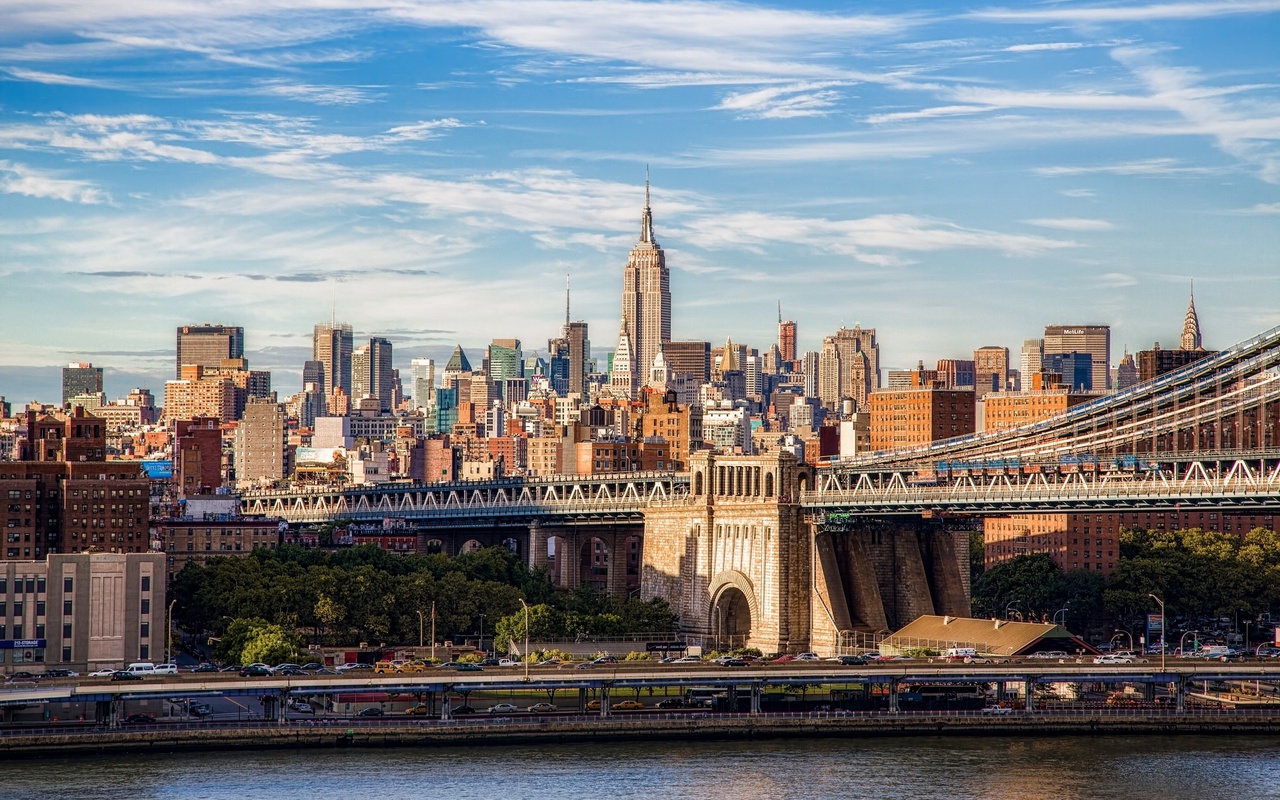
(954, 175)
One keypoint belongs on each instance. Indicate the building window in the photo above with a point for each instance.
(146, 583)
(144, 652)
(67, 585)
(146, 605)
(66, 652)
(39, 608)
(66, 630)
(144, 630)
(66, 608)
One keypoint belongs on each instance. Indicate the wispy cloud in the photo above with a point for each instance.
(24, 180)
(309, 93)
(783, 102)
(1072, 224)
(1262, 209)
(926, 113)
(1150, 166)
(1034, 48)
(1153, 12)
(53, 78)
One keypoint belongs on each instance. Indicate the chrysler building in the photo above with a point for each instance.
(646, 296)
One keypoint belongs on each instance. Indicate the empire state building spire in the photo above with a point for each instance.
(1191, 326)
(646, 293)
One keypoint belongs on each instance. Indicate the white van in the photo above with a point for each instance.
(165, 669)
(959, 653)
(141, 668)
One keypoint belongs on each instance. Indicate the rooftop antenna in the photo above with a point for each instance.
(333, 308)
(779, 312)
(566, 301)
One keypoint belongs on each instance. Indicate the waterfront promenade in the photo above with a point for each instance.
(526, 730)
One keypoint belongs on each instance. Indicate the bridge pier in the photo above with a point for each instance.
(1029, 689)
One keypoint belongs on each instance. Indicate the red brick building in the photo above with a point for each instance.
(908, 417)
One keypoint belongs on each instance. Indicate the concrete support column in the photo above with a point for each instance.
(756, 691)
(537, 545)
(282, 703)
(446, 705)
(1029, 687)
(893, 697)
(999, 692)
(604, 701)
(582, 700)
(1180, 694)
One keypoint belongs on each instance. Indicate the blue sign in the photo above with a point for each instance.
(21, 644)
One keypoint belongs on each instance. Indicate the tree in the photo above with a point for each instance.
(270, 644)
(1028, 580)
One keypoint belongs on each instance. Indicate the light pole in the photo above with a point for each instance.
(1010, 605)
(1063, 612)
(526, 638)
(486, 652)
(168, 634)
(419, 631)
(1247, 623)
(433, 631)
(1126, 633)
(1183, 640)
(1163, 621)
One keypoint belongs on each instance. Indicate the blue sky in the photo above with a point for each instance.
(953, 175)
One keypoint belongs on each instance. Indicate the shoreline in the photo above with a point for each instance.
(509, 731)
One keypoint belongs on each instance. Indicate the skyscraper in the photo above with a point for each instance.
(331, 346)
(1032, 361)
(786, 337)
(990, 369)
(423, 376)
(1191, 327)
(80, 378)
(371, 372)
(208, 345)
(1092, 339)
(504, 360)
(646, 293)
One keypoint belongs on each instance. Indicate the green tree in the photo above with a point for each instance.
(270, 644)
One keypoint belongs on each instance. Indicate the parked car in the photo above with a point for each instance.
(140, 719)
(502, 708)
(61, 673)
(469, 668)
(606, 660)
(689, 660)
(165, 669)
(808, 657)
(507, 662)
(370, 711)
(21, 676)
(312, 666)
(785, 657)
(671, 702)
(733, 662)
(303, 707)
(353, 666)
(102, 673)
(628, 705)
(206, 667)
(255, 671)
(420, 710)
(462, 711)
(290, 671)
(125, 675)
(543, 708)
(199, 709)
(1113, 659)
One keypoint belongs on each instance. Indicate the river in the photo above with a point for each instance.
(994, 768)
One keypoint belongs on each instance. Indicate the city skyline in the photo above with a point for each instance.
(410, 166)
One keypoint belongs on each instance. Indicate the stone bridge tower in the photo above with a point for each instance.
(741, 566)
(732, 558)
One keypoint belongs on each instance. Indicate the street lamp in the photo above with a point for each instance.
(1247, 623)
(486, 652)
(1063, 612)
(1010, 605)
(1163, 621)
(1183, 640)
(419, 631)
(433, 631)
(1126, 633)
(526, 638)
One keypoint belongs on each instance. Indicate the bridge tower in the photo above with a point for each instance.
(732, 557)
(742, 566)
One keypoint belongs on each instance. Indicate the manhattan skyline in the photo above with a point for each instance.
(953, 176)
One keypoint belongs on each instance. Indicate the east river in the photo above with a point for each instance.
(983, 768)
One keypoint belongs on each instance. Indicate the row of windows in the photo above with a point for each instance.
(28, 585)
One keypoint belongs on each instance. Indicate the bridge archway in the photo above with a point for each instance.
(513, 544)
(471, 546)
(733, 609)
(559, 557)
(433, 546)
(593, 564)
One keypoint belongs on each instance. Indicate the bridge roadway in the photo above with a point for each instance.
(626, 678)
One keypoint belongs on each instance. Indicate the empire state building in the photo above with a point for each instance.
(646, 296)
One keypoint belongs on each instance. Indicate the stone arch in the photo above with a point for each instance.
(697, 483)
(434, 546)
(768, 484)
(471, 546)
(734, 609)
(513, 544)
(593, 563)
(802, 481)
(559, 557)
